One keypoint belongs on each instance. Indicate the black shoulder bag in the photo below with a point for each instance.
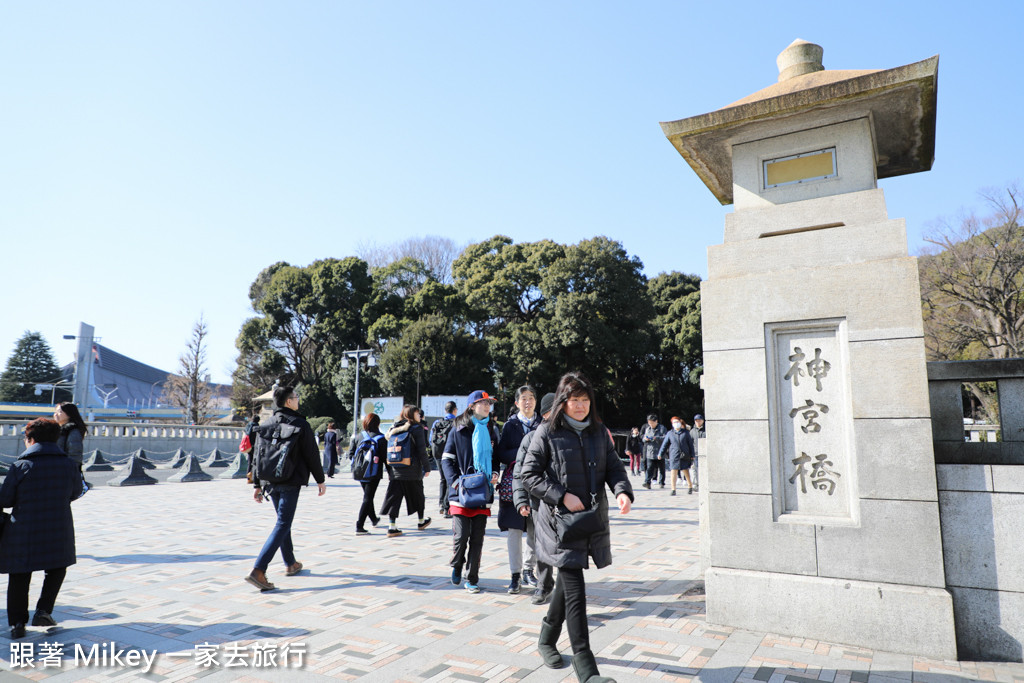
(576, 526)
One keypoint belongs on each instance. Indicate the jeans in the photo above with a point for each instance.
(468, 531)
(569, 605)
(285, 499)
(17, 594)
(655, 467)
(366, 510)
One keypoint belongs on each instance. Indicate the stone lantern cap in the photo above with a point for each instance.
(899, 102)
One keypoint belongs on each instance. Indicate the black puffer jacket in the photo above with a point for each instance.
(420, 459)
(71, 442)
(307, 458)
(556, 462)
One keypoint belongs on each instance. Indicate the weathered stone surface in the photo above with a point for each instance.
(735, 384)
(735, 309)
(897, 541)
(989, 625)
(742, 458)
(190, 471)
(947, 408)
(840, 246)
(1008, 478)
(744, 536)
(1011, 409)
(981, 537)
(894, 459)
(854, 209)
(854, 154)
(964, 477)
(134, 474)
(885, 616)
(888, 379)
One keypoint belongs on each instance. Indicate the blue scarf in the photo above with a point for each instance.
(482, 446)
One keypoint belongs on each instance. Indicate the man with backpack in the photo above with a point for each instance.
(438, 438)
(284, 455)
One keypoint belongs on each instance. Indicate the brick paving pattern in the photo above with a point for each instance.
(161, 568)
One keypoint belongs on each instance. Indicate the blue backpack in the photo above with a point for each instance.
(365, 463)
(400, 449)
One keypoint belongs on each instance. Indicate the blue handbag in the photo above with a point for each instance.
(474, 490)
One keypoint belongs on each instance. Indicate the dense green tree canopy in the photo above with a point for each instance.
(511, 314)
(29, 364)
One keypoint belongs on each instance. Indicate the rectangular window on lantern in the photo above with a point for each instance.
(800, 168)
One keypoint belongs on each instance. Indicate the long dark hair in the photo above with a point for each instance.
(572, 384)
(75, 417)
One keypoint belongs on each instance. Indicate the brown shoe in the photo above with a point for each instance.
(259, 579)
(294, 569)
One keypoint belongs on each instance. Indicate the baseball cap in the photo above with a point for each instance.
(480, 396)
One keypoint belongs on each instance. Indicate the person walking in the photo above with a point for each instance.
(330, 449)
(472, 447)
(569, 461)
(40, 533)
(696, 433)
(677, 450)
(510, 518)
(405, 482)
(527, 505)
(72, 431)
(438, 438)
(635, 451)
(371, 428)
(651, 437)
(285, 496)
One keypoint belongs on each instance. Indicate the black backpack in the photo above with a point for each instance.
(365, 463)
(276, 443)
(439, 435)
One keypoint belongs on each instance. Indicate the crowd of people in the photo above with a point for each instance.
(549, 468)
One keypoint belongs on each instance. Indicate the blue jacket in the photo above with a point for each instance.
(41, 531)
(679, 446)
(458, 455)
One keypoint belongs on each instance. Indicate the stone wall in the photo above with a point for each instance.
(122, 438)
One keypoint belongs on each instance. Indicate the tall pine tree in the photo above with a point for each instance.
(31, 363)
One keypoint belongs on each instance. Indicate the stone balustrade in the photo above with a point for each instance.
(125, 437)
(981, 507)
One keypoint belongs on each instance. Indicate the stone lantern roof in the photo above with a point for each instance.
(900, 103)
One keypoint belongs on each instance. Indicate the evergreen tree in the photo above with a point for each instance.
(31, 363)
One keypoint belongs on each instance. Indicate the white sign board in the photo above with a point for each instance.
(433, 406)
(387, 407)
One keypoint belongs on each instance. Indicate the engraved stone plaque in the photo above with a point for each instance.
(810, 425)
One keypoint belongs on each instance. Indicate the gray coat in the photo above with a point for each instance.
(41, 531)
(652, 439)
(556, 462)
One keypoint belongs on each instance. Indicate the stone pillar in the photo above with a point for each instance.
(819, 490)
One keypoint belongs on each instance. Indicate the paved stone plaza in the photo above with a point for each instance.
(161, 568)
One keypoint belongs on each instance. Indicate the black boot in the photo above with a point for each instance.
(585, 666)
(546, 644)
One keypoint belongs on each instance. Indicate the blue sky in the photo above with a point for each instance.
(154, 157)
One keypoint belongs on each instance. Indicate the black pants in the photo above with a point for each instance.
(442, 498)
(569, 606)
(656, 467)
(17, 594)
(468, 531)
(366, 510)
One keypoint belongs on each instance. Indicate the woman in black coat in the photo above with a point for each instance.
(405, 482)
(570, 460)
(40, 533)
(72, 431)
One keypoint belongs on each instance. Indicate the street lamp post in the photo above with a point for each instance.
(371, 361)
